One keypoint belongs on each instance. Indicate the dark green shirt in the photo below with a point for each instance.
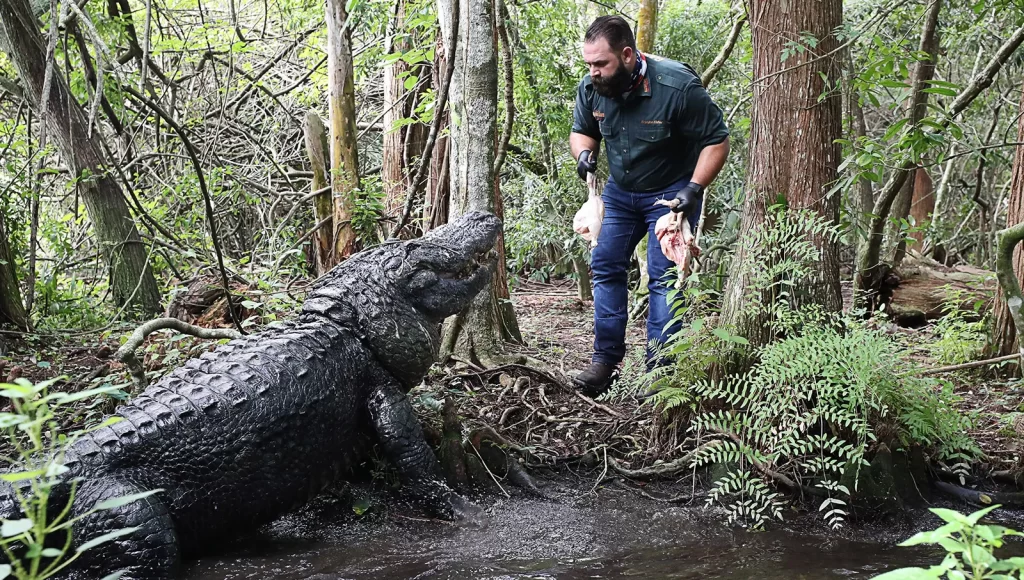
(653, 135)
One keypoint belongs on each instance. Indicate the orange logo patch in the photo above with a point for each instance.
(651, 122)
(599, 115)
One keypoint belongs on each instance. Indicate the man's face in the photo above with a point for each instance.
(610, 70)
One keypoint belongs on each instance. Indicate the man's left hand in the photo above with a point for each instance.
(689, 198)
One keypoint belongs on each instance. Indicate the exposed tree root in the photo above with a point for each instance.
(485, 443)
(681, 498)
(1012, 500)
(664, 469)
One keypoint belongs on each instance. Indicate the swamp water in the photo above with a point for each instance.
(617, 535)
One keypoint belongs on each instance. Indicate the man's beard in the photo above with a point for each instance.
(614, 85)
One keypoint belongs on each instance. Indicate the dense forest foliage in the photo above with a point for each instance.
(208, 160)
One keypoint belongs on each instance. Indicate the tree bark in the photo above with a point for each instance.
(793, 149)
(342, 108)
(917, 109)
(12, 311)
(646, 30)
(863, 196)
(646, 25)
(922, 204)
(396, 107)
(323, 210)
(131, 280)
(435, 206)
(1004, 334)
(478, 333)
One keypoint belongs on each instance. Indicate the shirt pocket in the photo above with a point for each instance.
(651, 141)
(653, 133)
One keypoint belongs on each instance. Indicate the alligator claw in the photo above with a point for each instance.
(467, 512)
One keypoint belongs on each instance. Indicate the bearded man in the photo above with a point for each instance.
(665, 139)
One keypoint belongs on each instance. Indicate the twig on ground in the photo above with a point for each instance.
(964, 366)
(597, 405)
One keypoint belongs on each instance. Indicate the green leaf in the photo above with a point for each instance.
(951, 516)
(976, 516)
(980, 555)
(15, 527)
(952, 545)
(361, 506)
(65, 398)
(51, 553)
(21, 475)
(117, 502)
(105, 538)
(1008, 564)
(250, 304)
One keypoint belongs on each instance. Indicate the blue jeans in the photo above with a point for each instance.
(628, 217)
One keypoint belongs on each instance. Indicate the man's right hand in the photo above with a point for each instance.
(587, 163)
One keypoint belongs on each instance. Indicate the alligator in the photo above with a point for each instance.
(257, 427)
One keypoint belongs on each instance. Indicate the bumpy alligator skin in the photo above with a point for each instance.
(257, 427)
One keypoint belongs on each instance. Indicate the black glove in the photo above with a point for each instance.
(587, 163)
(689, 197)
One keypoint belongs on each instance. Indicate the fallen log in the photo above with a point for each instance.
(926, 290)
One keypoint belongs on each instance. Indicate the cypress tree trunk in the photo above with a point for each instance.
(924, 71)
(395, 107)
(131, 280)
(323, 209)
(1004, 334)
(646, 25)
(435, 206)
(793, 150)
(342, 109)
(12, 311)
(478, 333)
(922, 204)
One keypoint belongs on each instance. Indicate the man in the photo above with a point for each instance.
(665, 139)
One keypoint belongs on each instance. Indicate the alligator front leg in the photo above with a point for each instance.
(404, 445)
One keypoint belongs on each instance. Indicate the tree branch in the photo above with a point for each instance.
(723, 55)
(1007, 239)
(126, 354)
(501, 17)
(208, 201)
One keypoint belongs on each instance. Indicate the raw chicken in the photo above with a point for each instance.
(587, 221)
(677, 241)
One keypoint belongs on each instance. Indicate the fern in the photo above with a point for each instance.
(806, 411)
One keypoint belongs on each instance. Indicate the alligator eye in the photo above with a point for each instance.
(422, 280)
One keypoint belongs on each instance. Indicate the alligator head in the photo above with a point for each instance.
(395, 295)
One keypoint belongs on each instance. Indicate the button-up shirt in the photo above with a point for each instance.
(654, 134)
